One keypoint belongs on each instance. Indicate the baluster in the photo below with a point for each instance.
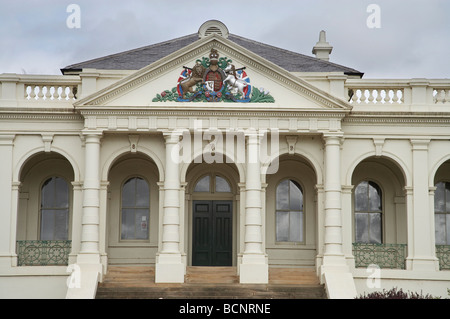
(371, 97)
(71, 93)
(395, 97)
(379, 97)
(33, 92)
(355, 96)
(447, 96)
(25, 95)
(48, 94)
(63, 93)
(387, 97)
(41, 92)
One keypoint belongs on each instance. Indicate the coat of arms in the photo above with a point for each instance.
(214, 79)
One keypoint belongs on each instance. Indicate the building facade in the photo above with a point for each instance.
(216, 150)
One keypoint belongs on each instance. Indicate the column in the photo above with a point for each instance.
(422, 240)
(254, 267)
(89, 249)
(333, 248)
(169, 265)
(9, 198)
(335, 273)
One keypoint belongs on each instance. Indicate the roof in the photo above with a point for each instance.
(141, 57)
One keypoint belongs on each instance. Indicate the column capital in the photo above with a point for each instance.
(420, 144)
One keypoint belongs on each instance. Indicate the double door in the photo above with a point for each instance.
(212, 230)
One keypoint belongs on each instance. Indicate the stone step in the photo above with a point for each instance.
(188, 291)
(137, 282)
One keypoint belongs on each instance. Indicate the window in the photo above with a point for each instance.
(220, 185)
(289, 212)
(135, 209)
(442, 213)
(368, 213)
(54, 209)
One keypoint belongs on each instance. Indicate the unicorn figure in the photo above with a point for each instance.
(235, 85)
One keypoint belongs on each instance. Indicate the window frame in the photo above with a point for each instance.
(369, 212)
(302, 227)
(68, 208)
(446, 213)
(121, 208)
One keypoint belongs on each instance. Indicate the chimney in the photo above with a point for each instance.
(322, 49)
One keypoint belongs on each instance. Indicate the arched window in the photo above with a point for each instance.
(217, 185)
(54, 209)
(368, 213)
(135, 208)
(289, 212)
(442, 213)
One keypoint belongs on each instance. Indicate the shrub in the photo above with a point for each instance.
(394, 293)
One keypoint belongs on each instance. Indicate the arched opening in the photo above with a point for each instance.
(45, 210)
(379, 216)
(291, 213)
(132, 211)
(212, 214)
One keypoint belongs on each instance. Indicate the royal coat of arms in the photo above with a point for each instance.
(214, 79)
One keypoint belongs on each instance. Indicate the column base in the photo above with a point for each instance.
(254, 269)
(169, 268)
(423, 264)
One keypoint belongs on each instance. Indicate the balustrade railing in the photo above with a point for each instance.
(50, 92)
(443, 254)
(43, 252)
(391, 256)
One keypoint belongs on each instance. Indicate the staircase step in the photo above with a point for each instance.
(209, 283)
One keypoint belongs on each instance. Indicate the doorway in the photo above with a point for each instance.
(212, 232)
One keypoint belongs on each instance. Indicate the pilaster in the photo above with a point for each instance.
(422, 253)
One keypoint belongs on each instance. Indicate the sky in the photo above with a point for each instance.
(381, 38)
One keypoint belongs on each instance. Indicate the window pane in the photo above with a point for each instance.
(142, 193)
(295, 196)
(448, 229)
(361, 227)
(439, 228)
(222, 185)
(128, 192)
(282, 226)
(203, 185)
(141, 224)
(61, 193)
(361, 199)
(374, 198)
(127, 224)
(48, 193)
(283, 195)
(447, 197)
(439, 198)
(296, 227)
(375, 228)
(47, 224)
(61, 225)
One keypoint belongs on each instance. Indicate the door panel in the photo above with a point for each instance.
(212, 233)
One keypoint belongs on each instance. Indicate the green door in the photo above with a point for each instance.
(212, 233)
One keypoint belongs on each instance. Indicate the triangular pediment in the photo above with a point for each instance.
(156, 85)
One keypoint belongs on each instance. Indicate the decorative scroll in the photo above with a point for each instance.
(43, 252)
(382, 255)
(443, 254)
(214, 79)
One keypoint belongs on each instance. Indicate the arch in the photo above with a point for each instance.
(31, 154)
(185, 167)
(109, 162)
(306, 156)
(386, 155)
(435, 168)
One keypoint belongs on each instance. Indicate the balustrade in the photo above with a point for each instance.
(376, 96)
(43, 252)
(50, 92)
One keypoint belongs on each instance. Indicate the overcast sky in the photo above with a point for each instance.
(412, 41)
